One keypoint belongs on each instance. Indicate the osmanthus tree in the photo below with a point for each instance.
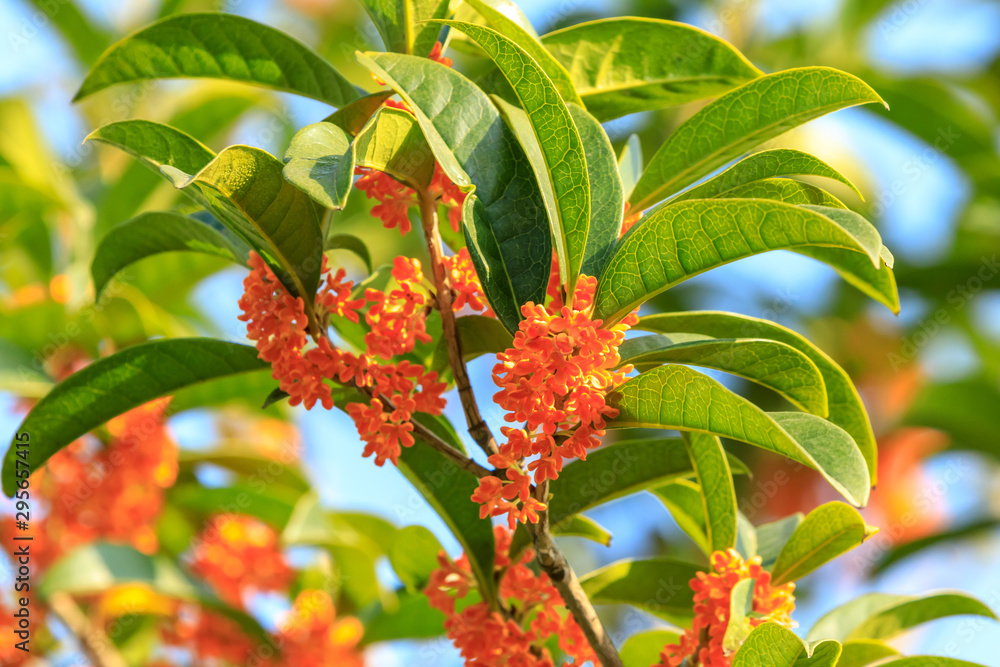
(542, 245)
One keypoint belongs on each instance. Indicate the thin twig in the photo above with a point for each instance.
(554, 564)
(95, 644)
(478, 429)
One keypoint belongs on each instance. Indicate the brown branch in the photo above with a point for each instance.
(98, 648)
(552, 561)
(478, 429)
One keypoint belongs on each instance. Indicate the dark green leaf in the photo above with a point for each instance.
(678, 398)
(113, 385)
(741, 119)
(399, 22)
(827, 532)
(676, 242)
(352, 244)
(657, 585)
(155, 144)
(152, 233)
(219, 46)
(607, 198)
(764, 165)
(320, 162)
(845, 405)
(625, 65)
(565, 162)
(245, 189)
(506, 227)
(718, 495)
(528, 43)
(771, 364)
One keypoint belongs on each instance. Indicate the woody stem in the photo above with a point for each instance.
(478, 429)
(98, 648)
(552, 561)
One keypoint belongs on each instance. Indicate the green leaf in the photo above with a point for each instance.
(674, 243)
(447, 488)
(883, 616)
(414, 556)
(152, 233)
(772, 537)
(411, 617)
(766, 164)
(950, 538)
(625, 65)
(928, 661)
(717, 493)
(353, 117)
(351, 244)
(478, 335)
(684, 500)
(784, 190)
(630, 164)
(320, 162)
(115, 384)
(827, 532)
(740, 608)
(273, 505)
(656, 585)
(245, 189)
(565, 162)
(400, 23)
(607, 198)
(100, 566)
(155, 144)
(247, 465)
(219, 46)
(741, 119)
(643, 649)
(845, 406)
(856, 270)
(394, 143)
(863, 652)
(777, 646)
(777, 366)
(528, 43)
(579, 525)
(506, 228)
(678, 398)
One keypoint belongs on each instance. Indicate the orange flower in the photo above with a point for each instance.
(630, 220)
(237, 554)
(397, 321)
(535, 613)
(313, 636)
(465, 283)
(554, 379)
(712, 592)
(209, 636)
(114, 492)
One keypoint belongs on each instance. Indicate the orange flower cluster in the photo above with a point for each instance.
(209, 636)
(535, 613)
(465, 284)
(116, 492)
(277, 323)
(703, 640)
(313, 636)
(236, 554)
(394, 198)
(554, 379)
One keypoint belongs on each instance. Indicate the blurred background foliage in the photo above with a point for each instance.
(929, 167)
